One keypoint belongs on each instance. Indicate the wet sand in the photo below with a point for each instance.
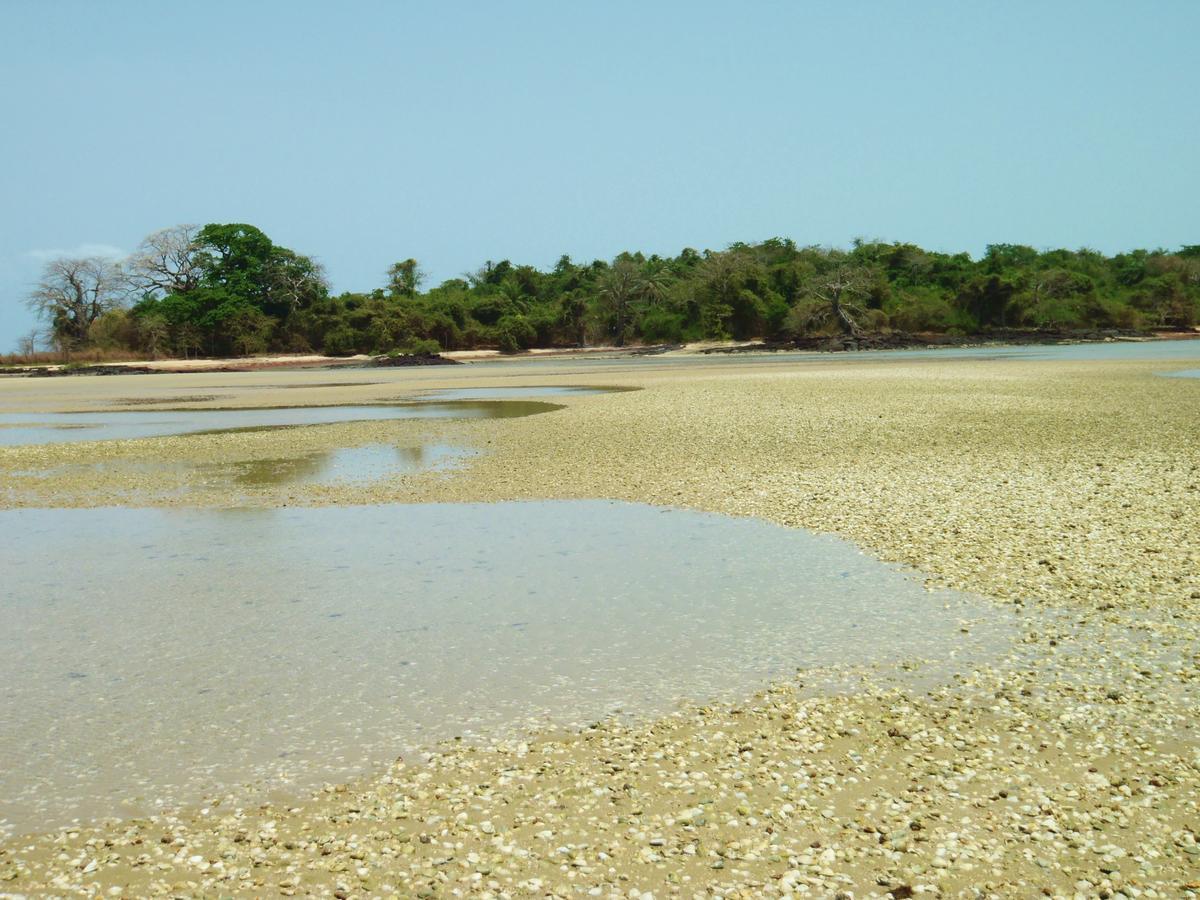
(1069, 491)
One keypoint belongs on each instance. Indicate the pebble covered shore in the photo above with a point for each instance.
(1067, 490)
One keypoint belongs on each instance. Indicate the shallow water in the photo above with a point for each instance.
(1183, 373)
(503, 393)
(53, 428)
(1089, 352)
(345, 465)
(171, 654)
(342, 466)
(1167, 350)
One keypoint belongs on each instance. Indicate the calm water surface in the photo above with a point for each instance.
(159, 656)
(341, 466)
(503, 393)
(345, 465)
(53, 428)
(1169, 350)
(1091, 352)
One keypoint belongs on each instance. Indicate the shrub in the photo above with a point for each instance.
(418, 347)
(515, 333)
(341, 340)
(926, 310)
(661, 326)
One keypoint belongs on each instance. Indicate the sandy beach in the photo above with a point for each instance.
(1068, 491)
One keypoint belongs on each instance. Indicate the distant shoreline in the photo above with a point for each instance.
(829, 344)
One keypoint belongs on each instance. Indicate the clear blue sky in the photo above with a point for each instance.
(366, 132)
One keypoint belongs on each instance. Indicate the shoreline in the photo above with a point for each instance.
(1078, 767)
(822, 345)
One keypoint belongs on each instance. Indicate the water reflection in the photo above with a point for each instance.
(341, 466)
(52, 428)
(345, 465)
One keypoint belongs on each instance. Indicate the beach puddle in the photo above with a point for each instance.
(1183, 373)
(346, 466)
(156, 657)
(51, 428)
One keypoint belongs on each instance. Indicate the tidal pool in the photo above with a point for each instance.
(340, 466)
(155, 657)
(345, 465)
(53, 428)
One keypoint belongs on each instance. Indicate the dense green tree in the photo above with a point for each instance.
(227, 288)
(573, 313)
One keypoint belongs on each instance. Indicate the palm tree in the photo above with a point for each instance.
(573, 314)
(620, 287)
(515, 299)
(654, 281)
(628, 283)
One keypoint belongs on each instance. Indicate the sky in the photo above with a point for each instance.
(363, 132)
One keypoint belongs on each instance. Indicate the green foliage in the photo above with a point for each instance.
(341, 340)
(663, 326)
(247, 294)
(113, 330)
(515, 333)
(807, 319)
(416, 347)
(926, 309)
(404, 278)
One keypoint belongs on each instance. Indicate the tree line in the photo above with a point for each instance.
(227, 289)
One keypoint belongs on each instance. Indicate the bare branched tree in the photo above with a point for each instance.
(74, 293)
(166, 262)
(837, 296)
(295, 281)
(28, 344)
